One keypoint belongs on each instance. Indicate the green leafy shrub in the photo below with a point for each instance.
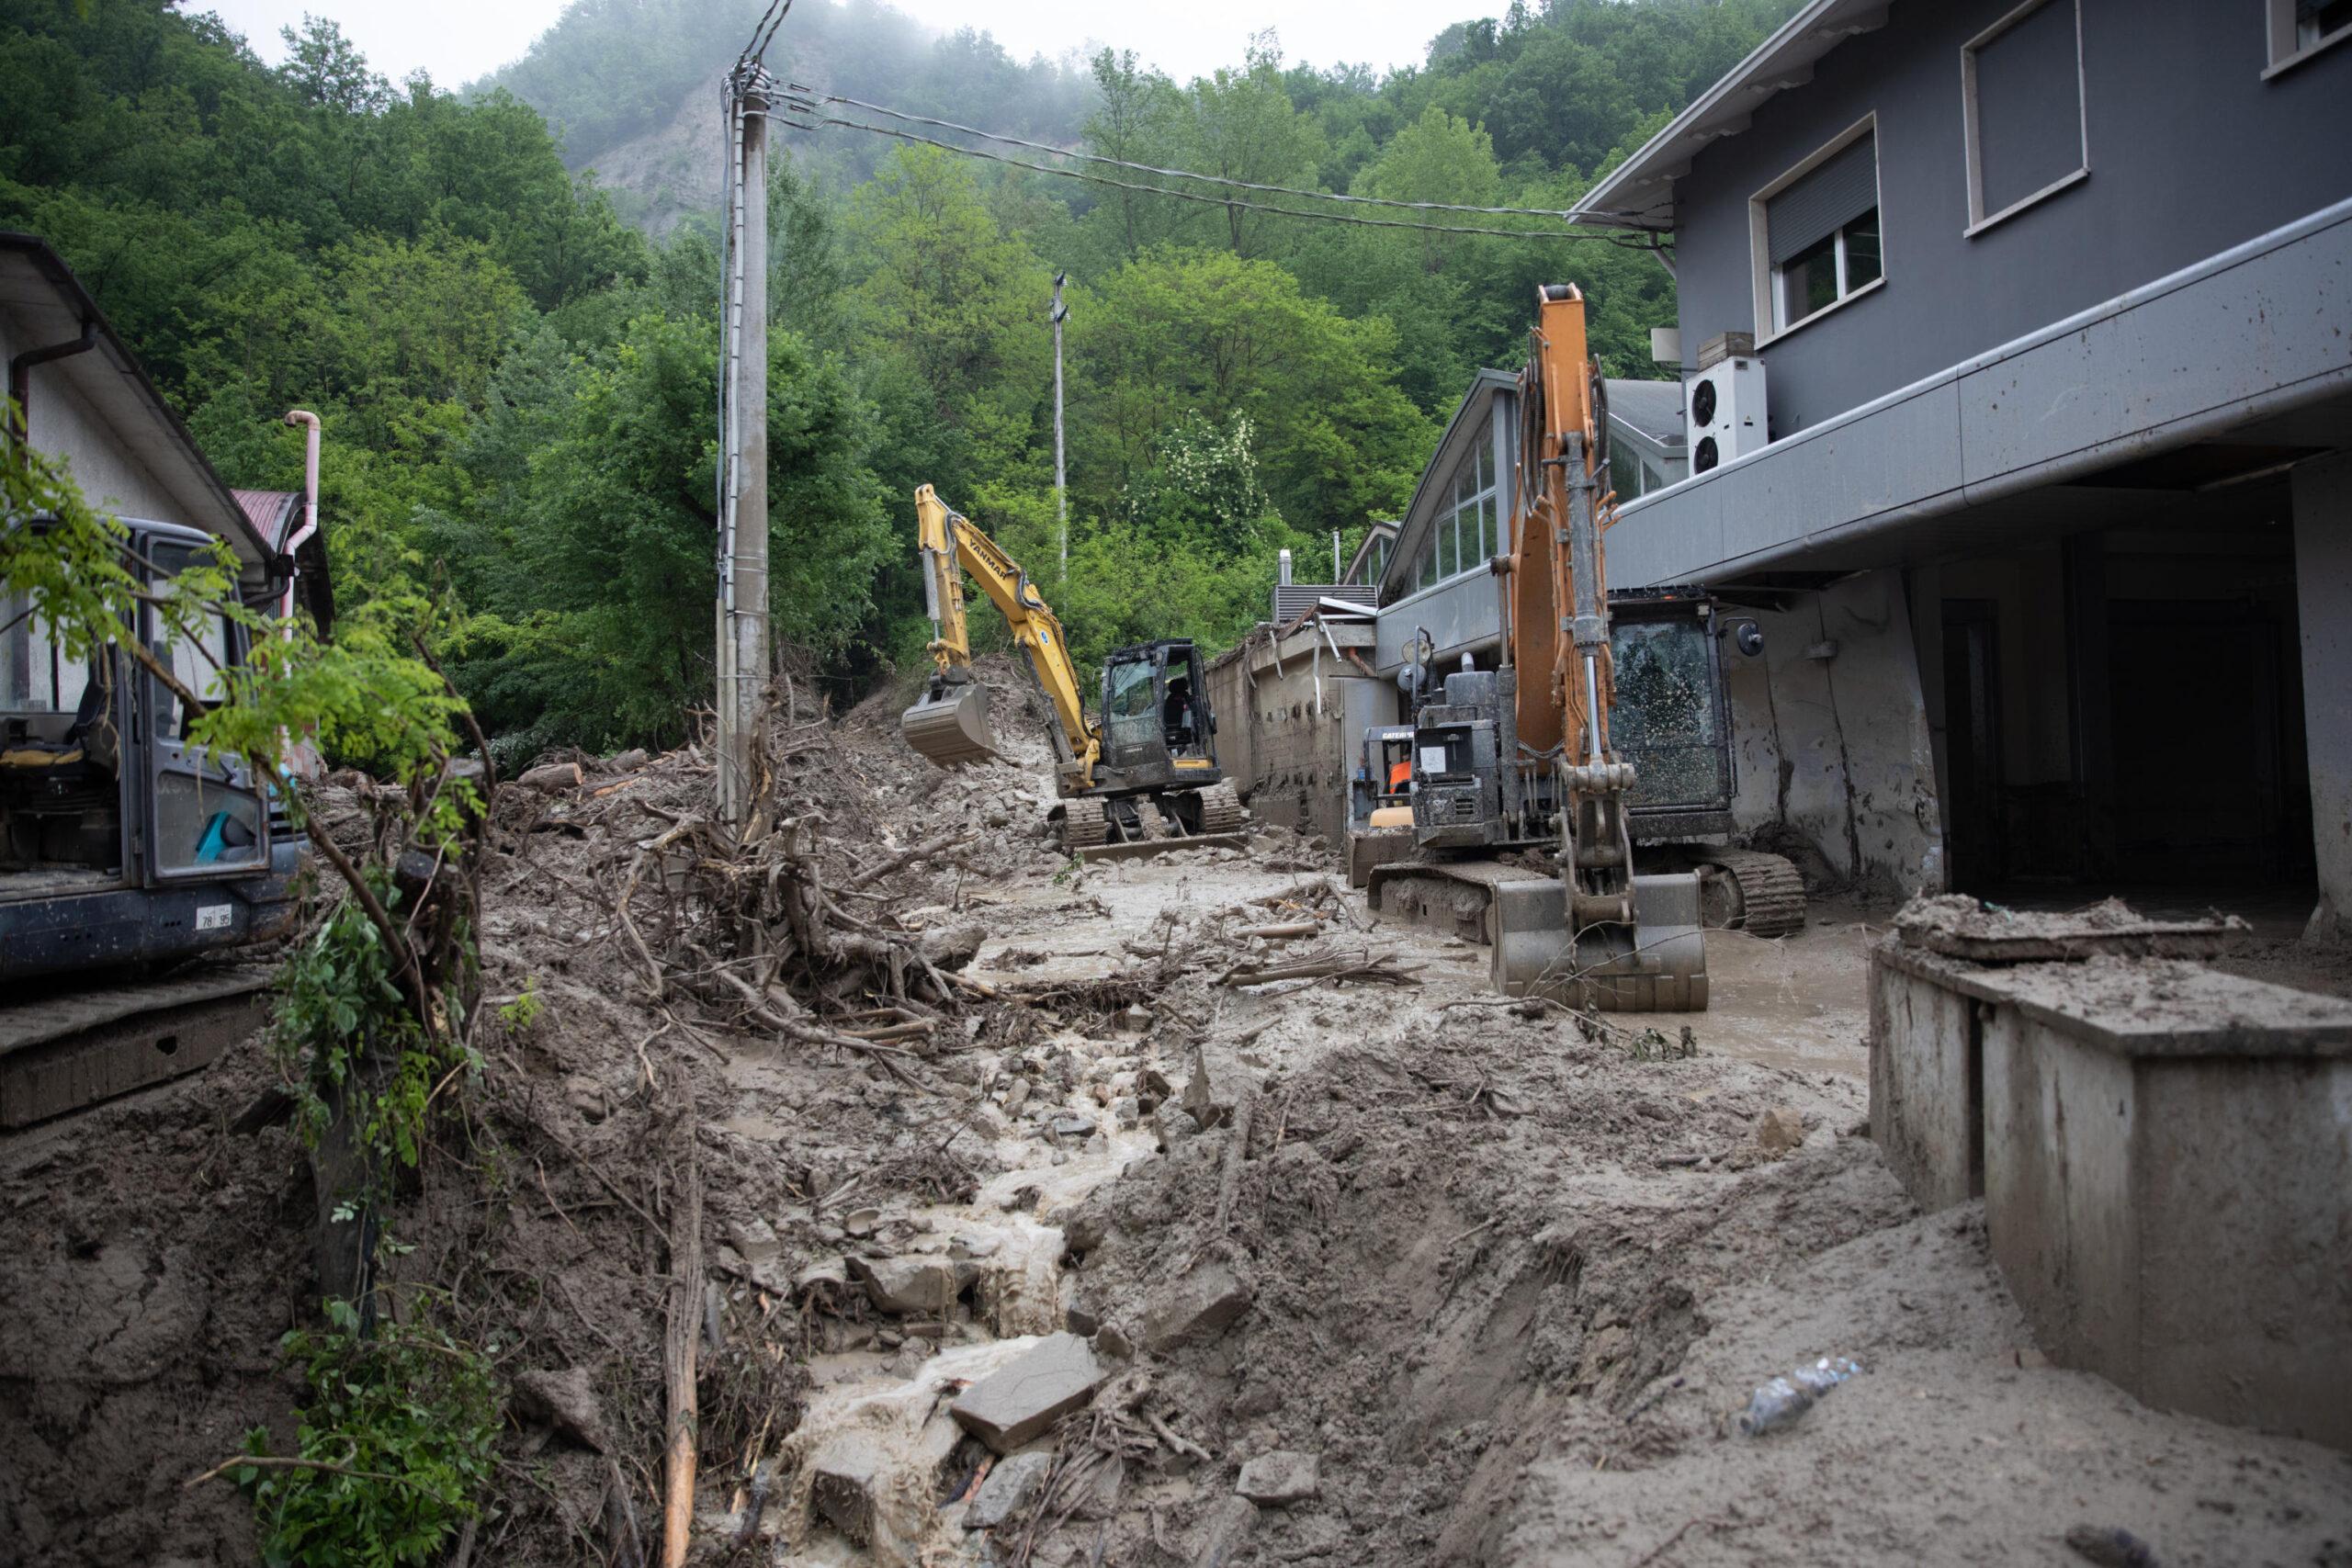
(393, 1444)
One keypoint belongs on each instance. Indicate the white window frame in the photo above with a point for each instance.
(1766, 277)
(1978, 219)
(1426, 577)
(2283, 52)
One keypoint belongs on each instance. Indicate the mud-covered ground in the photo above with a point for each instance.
(1504, 1273)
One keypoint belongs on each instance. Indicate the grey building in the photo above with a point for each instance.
(1647, 449)
(2045, 493)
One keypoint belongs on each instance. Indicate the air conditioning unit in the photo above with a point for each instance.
(1725, 409)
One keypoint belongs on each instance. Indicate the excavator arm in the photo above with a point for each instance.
(1601, 935)
(1559, 622)
(950, 724)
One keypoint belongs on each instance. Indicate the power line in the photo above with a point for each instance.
(1226, 201)
(762, 34)
(797, 89)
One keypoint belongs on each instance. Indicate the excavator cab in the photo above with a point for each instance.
(1157, 728)
(125, 846)
(122, 839)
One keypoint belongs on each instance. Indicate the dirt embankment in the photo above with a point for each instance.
(1374, 1270)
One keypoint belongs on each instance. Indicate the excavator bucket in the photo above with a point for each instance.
(1656, 964)
(951, 726)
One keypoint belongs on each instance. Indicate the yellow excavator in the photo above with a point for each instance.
(1142, 780)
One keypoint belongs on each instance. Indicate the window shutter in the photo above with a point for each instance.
(1839, 191)
(2028, 106)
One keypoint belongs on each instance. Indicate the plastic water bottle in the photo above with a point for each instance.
(1785, 1399)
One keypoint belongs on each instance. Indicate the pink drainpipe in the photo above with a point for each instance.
(309, 421)
(303, 755)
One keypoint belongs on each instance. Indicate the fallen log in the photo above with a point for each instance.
(907, 856)
(684, 1331)
(1382, 968)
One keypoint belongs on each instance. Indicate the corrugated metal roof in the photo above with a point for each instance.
(268, 510)
(1654, 408)
(1639, 193)
(1293, 600)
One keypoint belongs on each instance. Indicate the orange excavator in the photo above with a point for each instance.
(1519, 761)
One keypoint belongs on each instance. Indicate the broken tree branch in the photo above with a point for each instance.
(1236, 1149)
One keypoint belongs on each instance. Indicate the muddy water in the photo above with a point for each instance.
(1799, 1002)
(1080, 927)
(866, 1403)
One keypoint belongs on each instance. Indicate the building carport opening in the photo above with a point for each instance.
(2121, 709)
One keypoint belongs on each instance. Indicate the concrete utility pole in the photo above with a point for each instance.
(1061, 495)
(744, 659)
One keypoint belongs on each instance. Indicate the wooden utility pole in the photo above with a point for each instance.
(1061, 495)
(743, 657)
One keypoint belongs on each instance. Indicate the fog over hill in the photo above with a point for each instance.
(631, 87)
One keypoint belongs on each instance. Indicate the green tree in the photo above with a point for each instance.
(1244, 127)
(1179, 333)
(963, 302)
(599, 631)
(1137, 116)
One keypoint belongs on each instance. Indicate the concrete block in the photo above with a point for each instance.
(1011, 1485)
(1200, 1303)
(1926, 1081)
(1277, 1479)
(909, 1286)
(1220, 1081)
(1221, 1537)
(1021, 1399)
(845, 1479)
(2167, 1174)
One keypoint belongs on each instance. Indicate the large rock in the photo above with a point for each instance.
(565, 1401)
(1277, 1479)
(1012, 1483)
(1221, 1539)
(1029, 1394)
(1199, 1303)
(846, 1479)
(916, 1286)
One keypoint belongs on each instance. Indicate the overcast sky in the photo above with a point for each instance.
(457, 41)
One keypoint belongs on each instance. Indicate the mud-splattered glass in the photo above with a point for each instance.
(1664, 718)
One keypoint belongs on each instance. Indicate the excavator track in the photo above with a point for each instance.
(1221, 810)
(1765, 896)
(1088, 831)
(59, 1053)
(1086, 825)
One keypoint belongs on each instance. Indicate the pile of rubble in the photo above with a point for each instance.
(881, 1188)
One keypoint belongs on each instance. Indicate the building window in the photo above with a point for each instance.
(1815, 231)
(2300, 28)
(1468, 532)
(2021, 102)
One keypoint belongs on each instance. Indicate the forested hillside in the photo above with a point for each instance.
(517, 382)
